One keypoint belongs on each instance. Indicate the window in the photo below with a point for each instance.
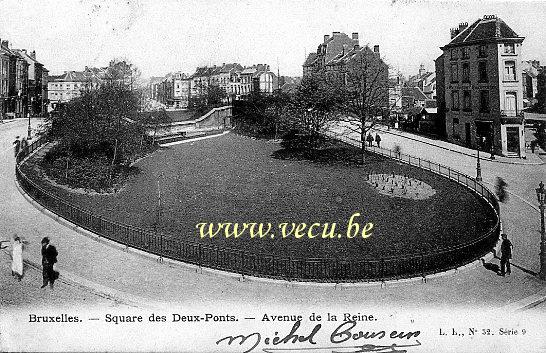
(455, 100)
(455, 120)
(465, 54)
(510, 48)
(482, 71)
(484, 101)
(482, 51)
(453, 54)
(510, 106)
(454, 73)
(510, 71)
(467, 101)
(466, 72)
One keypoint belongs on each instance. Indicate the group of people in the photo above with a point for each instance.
(49, 258)
(370, 139)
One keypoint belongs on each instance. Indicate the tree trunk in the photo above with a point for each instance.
(362, 146)
(113, 160)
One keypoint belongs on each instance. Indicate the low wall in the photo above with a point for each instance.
(216, 119)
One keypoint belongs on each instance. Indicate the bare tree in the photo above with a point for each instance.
(364, 81)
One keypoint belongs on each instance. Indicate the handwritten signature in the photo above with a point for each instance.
(343, 333)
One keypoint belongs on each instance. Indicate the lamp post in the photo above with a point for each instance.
(478, 166)
(29, 137)
(541, 196)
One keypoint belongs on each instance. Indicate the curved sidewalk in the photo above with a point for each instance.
(149, 282)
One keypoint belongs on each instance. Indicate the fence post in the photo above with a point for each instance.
(199, 259)
(242, 263)
(423, 265)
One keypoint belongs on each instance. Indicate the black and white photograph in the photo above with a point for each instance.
(316, 176)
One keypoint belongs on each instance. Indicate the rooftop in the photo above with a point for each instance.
(485, 29)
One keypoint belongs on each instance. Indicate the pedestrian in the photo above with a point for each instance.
(533, 146)
(17, 257)
(506, 255)
(17, 145)
(377, 139)
(500, 189)
(24, 144)
(49, 258)
(369, 139)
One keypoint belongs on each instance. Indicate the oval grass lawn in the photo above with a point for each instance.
(235, 179)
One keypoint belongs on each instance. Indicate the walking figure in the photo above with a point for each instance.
(377, 139)
(533, 146)
(17, 257)
(17, 145)
(24, 144)
(500, 189)
(49, 258)
(506, 255)
(370, 140)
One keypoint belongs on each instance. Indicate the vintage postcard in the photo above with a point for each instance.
(272, 176)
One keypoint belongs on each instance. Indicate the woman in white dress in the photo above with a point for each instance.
(17, 258)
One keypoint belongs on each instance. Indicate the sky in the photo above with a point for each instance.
(179, 35)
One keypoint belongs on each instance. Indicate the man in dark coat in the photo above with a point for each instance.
(370, 140)
(49, 258)
(16, 146)
(377, 139)
(506, 255)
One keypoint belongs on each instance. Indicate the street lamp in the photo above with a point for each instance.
(29, 137)
(541, 195)
(478, 166)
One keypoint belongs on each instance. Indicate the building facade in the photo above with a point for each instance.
(330, 47)
(69, 85)
(482, 90)
(36, 98)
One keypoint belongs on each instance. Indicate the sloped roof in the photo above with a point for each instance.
(228, 67)
(414, 92)
(343, 58)
(487, 28)
(311, 59)
(70, 76)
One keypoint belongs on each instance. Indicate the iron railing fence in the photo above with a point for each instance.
(276, 266)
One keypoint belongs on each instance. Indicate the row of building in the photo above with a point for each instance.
(175, 89)
(23, 83)
(476, 96)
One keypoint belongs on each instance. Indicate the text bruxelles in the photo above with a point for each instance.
(296, 230)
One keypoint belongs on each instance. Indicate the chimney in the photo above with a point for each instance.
(376, 49)
(356, 47)
(422, 70)
(33, 54)
(462, 26)
(454, 32)
(5, 44)
(355, 36)
(326, 38)
(335, 34)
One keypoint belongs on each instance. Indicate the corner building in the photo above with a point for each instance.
(482, 96)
